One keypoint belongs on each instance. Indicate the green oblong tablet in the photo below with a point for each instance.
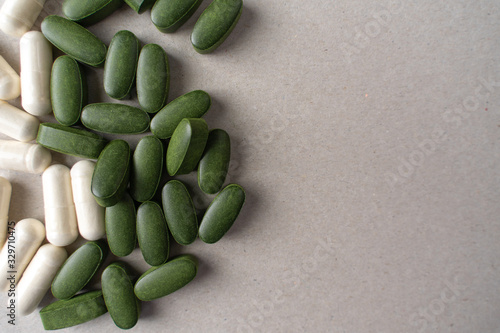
(111, 173)
(153, 78)
(186, 146)
(74, 311)
(121, 64)
(169, 15)
(120, 226)
(68, 90)
(89, 12)
(74, 40)
(152, 233)
(70, 140)
(147, 167)
(221, 214)
(214, 163)
(194, 104)
(115, 118)
(165, 279)
(215, 24)
(78, 269)
(140, 5)
(179, 212)
(119, 296)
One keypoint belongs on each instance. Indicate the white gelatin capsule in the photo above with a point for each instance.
(36, 65)
(5, 193)
(17, 124)
(17, 16)
(89, 214)
(23, 156)
(38, 276)
(60, 215)
(18, 250)
(10, 83)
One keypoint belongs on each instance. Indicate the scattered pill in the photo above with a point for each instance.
(170, 15)
(23, 156)
(120, 220)
(115, 118)
(10, 83)
(214, 163)
(147, 167)
(17, 124)
(17, 16)
(89, 12)
(152, 233)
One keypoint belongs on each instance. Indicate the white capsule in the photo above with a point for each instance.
(10, 83)
(17, 16)
(38, 276)
(36, 66)
(17, 124)
(21, 245)
(5, 193)
(89, 214)
(23, 156)
(60, 215)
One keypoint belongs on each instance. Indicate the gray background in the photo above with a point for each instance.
(366, 134)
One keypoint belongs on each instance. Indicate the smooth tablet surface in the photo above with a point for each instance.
(121, 226)
(115, 118)
(89, 12)
(140, 5)
(5, 195)
(17, 124)
(153, 78)
(152, 233)
(147, 167)
(214, 163)
(169, 15)
(23, 156)
(10, 83)
(17, 16)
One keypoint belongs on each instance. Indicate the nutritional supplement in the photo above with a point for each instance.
(140, 5)
(37, 277)
(221, 214)
(5, 194)
(186, 146)
(26, 238)
(153, 78)
(121, 227)
(68, 90)
(170, 15)
(115, 118)
(23, 156)
(89, 12)
(17, 124)
(60, 215)
(118, 293)
(147, 167)
(121, 64)
(179, 212)
(78, 269)
(152, 233)
(17, 16)
(162, 280)
(90, 215)
(67, 313)
(36, 64)
(191, 105)
(74, 40)
(10, 83)
(215, 24)
(214, 163)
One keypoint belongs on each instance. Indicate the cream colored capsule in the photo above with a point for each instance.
(38, 276)
(17, 124)
(36, 66)
(17, 16)
(10, 83)
(5, 193)
(89, 214)
(60, 215)
(21, 245)
(23, 156)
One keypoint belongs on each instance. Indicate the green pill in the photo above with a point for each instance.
(194, 104)
(221, 214)
(152, 233)
(214, 163)
(68, 90)
(115, 118)
(74, 40)
(165, 279)
(186, 146)
(169, 15)
(179, 212)
(140, 6)
(153, 78)
(111, 173)
(70, 141)
(74, 311)
(120, 226)
(118, 293)
(121, 64)
(89, 12)
(78, 269)
(147, 167)
(215, 24)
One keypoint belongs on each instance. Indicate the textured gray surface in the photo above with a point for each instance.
(366, 134)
